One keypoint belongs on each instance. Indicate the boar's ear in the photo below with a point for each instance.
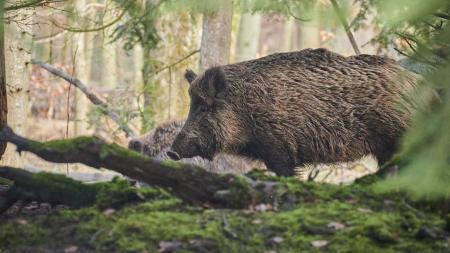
(190, 75)
(214, 84)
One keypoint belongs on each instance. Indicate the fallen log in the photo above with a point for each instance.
(45, 187)
(188, 182)
(57, 189)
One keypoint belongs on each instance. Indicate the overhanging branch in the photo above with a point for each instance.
(344, 22)
(30, 4)
(95, 29)
(178, 61)
(89, 94)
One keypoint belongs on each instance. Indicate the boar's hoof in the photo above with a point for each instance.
(173, 155)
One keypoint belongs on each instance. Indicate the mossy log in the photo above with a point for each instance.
(56, 189)
(190, 183)
(45, 187)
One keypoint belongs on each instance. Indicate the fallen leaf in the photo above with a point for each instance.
(388, 202)
(169, 246)
(71, 249)
(336, 225)
(256, 221)
(109, 211)
(319, 243)
(276, 240)
(365, 210)
(263, 207)
(21, 221)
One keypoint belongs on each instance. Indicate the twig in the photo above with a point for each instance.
(91, 96)
(288, 8)
(442, 15)
(96, 29)
(177, 62)
(33, 4)
(401, 52)
(341, 17)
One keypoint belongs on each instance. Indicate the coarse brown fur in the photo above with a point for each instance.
(289, 109)
(156, 143)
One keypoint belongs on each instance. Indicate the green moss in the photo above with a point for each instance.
(21, 235)
(62, 189)
(116, 193)
(120, 192)
(238, 195)
(371, 223)
(64, 145)
(4, 181)
(172, 164)
(114, 149)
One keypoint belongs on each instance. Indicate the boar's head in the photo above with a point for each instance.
(213, 124)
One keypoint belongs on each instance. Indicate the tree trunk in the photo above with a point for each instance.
(82, 68)
(248, 38)
(309, 35)
(17, 58)
(3, 99)
(309, 32)
(216, 38)
(289, 26)
(148, 88)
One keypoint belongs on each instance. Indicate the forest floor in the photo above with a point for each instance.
(308, 217)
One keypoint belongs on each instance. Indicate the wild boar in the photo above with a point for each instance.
(290, 109)
(156, 144)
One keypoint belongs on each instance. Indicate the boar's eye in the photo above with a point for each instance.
(198, 104)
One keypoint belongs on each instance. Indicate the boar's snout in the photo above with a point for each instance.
(135, 144)
(173, 155)
(185, 145)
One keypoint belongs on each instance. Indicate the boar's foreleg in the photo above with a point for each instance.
(278, 160)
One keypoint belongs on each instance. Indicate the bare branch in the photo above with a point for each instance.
(288, 8)
(89, 94)
(96, 29)
(30, 4)
(442, 15)
(343, 20)
(177, 62)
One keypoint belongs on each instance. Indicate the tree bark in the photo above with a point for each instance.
(81, 70)
(248, 38)
(190, 183)
(45, 187)
(289, 26)
(216, 38)
(3, 96)
(309, 35)
(17, 59)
